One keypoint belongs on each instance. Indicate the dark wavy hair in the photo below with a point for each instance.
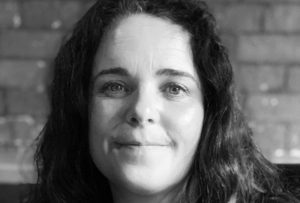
(226, 163)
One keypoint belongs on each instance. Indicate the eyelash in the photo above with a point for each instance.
(167, 87)
(107, 89)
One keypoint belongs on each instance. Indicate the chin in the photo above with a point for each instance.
(147, 181)
(144, 187)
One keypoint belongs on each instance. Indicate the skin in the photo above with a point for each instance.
(146, 110)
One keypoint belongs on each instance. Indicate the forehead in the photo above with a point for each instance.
(138, 26)
(142, 37)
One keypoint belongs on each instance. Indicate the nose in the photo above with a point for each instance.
(143, 109)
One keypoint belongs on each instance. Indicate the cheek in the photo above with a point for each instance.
(104, 117)
(184, 123)
(105, 114)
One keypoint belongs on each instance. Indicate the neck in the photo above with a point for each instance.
(126, 196)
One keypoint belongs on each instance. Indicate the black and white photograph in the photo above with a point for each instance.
(149, 101)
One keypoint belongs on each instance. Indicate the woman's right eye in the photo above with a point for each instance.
(115, 89)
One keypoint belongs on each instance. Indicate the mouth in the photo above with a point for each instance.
(132, 144)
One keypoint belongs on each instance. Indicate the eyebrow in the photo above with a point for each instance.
(111, 71)
(114, 71)
(162, 72)
(175, 73)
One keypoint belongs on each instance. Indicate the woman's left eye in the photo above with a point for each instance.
(174, 90)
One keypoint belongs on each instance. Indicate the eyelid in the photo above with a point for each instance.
(177, 84)
(181, 86)
(103, 89)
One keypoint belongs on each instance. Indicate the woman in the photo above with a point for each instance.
(143, 110)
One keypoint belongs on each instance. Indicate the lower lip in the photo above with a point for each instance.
(118, 145)
(139, 147)
(140, 153)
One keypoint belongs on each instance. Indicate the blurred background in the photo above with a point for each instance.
(262, 36)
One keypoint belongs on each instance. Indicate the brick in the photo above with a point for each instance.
(56, 14)
(270, 138)
(12, 167)
(2, 103)
(26, 102)
(282, 17)
(24, 130)
(29, 44)
(238, 17)
(22, 74)
(294, 132)
(269, 48)
(9, 14)
(5, 133)
(294, 79)
(274, 107)
(294, 143)
(279, 142)
(229, 42)
(261, 78)
(284, 157)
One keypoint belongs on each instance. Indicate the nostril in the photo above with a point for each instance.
(150, 120)
(134, 120)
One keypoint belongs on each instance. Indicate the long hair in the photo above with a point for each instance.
(226, 163)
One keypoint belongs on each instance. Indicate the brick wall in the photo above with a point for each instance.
(264, 42)
(263, 37)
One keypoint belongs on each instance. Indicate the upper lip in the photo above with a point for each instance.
(136, 138)
(138, 143)
(133, 141)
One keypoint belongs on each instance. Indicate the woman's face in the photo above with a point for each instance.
(146, 110)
